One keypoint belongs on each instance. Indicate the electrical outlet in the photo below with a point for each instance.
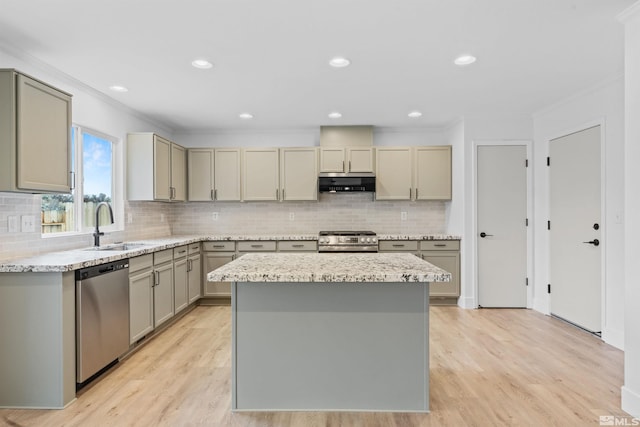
(28, 223)
(292, 216)
(129, 218)
(12, 223)
(403, 216)
(215, 216)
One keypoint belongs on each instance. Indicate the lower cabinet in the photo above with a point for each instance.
(180, 279)
(163, 287)
(441, 253)
(141, 281)
(216, 254)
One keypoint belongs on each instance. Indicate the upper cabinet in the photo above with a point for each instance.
(260, 177)
(35, 135)
(432, 173)
(299, 174)
(393, 176)
(156, 168)
(214, 174)
(350, 159)
(413, 173)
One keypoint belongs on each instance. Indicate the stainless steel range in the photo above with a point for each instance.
(347, 241)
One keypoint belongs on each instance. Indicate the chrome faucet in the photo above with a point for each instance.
(97, 233)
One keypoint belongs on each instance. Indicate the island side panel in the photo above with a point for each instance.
(37, 336)
(331, 346)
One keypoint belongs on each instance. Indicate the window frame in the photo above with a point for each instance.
(117, 198)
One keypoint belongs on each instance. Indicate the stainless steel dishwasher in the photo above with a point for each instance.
(102, 316)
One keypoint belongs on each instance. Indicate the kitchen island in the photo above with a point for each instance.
(330, 332)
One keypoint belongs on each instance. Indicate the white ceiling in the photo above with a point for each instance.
(271, 57)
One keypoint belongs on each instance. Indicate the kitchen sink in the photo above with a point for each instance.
(118, 247)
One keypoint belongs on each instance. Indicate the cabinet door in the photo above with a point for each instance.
(299, 173)
(140, 305)
(213, 260)
(449, 261)
(393, 176)
(332, 159)
(161, 168)
(433, 173)
(180, 282)
(178, 173)
(360, 159)
(200, 169)
(260, 174)
(194, 278)
(163, 294)
(43, 133)
(227, 174)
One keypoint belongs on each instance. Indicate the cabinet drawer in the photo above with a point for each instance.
(440, 245)
(296, 245)
(256, 246)
(219, 246)
(163, 256)
(140, 263)
(398, 245)
(194, 248)
(180, 252)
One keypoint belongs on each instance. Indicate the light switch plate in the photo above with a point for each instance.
(292, 216)
(28, 223)
(403, 216)
(12, 224)
(214, 216)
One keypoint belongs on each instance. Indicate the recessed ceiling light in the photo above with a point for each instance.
(415, 114)
(465, 59)
(335, 115)
(339, 62)
(118, 88)
(245, 116)
(202, 64)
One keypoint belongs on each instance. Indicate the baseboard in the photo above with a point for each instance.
(467, 302)
(613, 337)
(541, 305)
(630, 402)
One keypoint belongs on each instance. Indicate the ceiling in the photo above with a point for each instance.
(270, 58)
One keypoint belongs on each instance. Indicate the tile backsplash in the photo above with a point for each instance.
(354, 211)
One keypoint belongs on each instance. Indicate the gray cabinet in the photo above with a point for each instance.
(163, 286)
(194, 273)
(298, 174)
(214, 174)
(298, 246)
(260, 174)
(141, 282)
(432, 173)
(350, 159)
(180, 279)
(393, 173)
(216, 254)
(156, 168)
(35, 135)
(446, 255)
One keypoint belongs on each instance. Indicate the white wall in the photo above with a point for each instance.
(602, 104)
(631, 388)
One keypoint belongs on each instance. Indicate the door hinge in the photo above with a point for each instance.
(548, 225)
(526, 281)
(526, 222)
(526, 163)
(549, 288)
(548, 161)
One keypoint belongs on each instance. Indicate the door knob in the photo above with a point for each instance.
(594, 242)
(483, 234)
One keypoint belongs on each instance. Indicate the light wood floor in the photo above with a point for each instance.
(488, 368)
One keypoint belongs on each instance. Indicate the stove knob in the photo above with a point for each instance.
(362, 239)
(368, 239)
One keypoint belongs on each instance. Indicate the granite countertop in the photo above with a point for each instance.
(350, 267)
(75, 259)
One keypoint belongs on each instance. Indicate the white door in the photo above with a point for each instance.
(575, 228)
(502, 225)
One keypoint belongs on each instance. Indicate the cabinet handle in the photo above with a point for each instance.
(72, 178)
(215, 194)
(182, 252)
(409, 193)
(189, 266)
(257, 246)
(416, 194)
(298, 246)
(233, 257)
(218, 246)
(343, 166)
(212, 196)
(398, 245)
(277, 194)
(440, 245)
(349, 165)
(283, 194)
(156, 278)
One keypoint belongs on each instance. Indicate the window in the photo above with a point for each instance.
(93, 169)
